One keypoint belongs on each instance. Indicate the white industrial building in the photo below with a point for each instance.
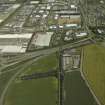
(81, 34)
(34, 2)
(14, 43)
(42, 39)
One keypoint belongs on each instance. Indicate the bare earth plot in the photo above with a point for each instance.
(94, 69)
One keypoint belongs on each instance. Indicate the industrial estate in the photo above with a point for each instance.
(52, 52)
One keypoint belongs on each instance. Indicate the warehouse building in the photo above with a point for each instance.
(71, 59)
(42, 39)
(69, 19)
(14, 43)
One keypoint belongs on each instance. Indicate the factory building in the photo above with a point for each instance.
(14, 43)
(71, 59)
(42, 39)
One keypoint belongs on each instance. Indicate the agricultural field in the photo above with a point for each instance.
(94, 69)
(33, 92)
(76, 90)
(43, 91)
(48, 63)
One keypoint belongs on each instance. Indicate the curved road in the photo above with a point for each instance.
(31, 55)
(29, 58)
(21, 68)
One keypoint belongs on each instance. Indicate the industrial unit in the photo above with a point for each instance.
(14, 43)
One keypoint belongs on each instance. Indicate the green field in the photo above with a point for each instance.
(33, 92)
(38, 91)
(76, 90)
(94, 69)
(47, 63)
(4, 80)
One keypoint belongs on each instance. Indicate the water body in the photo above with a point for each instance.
(76, 90)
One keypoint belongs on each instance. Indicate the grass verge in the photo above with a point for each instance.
(38, 91)
(94, 69)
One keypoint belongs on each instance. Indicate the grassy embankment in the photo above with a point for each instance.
(94, 69)
(35, 92)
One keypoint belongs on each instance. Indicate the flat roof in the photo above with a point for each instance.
(22, 35)
(71, 25)
(15, 6)
(1, 20)
(43, 39)
(12, 49)
(67, 12)
(34, 2)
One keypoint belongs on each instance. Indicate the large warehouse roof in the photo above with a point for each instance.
(23, 35)
(9, 43)
(43, 39)
(12, 49)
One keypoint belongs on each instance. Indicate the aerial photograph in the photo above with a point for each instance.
(52, 52)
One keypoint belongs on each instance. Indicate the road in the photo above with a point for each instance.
(32, 55)
(20, 68)
(29, 58)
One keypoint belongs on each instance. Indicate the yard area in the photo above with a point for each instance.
(94, 69)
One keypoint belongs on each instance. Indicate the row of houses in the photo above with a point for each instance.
(6, 10)
(18, 20)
